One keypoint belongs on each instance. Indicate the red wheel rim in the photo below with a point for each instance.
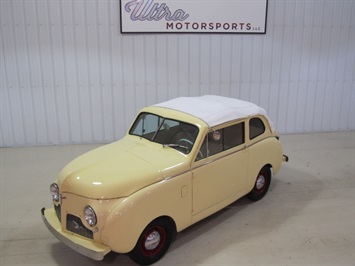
(261, 182)
(153, 241)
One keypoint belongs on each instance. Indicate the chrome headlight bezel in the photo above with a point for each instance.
(54, 190)
(90, 216)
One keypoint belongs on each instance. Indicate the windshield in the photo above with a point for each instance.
(168, 132)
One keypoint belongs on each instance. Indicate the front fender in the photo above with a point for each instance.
(170, 197)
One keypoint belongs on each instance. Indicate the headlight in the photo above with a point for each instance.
(54, 189)
(90, 216)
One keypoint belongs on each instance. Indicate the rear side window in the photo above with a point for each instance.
(256, 127)
(233, 136)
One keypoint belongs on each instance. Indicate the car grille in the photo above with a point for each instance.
(75, 225)
(57, 211)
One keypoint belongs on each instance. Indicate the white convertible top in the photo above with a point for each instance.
(215, 110)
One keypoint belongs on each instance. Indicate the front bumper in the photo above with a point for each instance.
(284, 158)
(83, 246)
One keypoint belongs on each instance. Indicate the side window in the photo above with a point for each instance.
(215, 142)
(256, 127)
(221, 140)
(233, 136)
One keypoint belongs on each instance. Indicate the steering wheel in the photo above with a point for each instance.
(189, 147)
(186, 143)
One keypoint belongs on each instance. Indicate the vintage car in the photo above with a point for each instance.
(181, 161)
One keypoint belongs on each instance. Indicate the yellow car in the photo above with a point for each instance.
(181, 161)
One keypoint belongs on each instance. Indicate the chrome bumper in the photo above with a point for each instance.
(284, 158)
(85, 247)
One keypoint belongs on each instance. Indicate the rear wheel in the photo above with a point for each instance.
(153, 242)
(261, 185)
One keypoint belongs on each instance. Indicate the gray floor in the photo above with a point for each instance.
(307, 218)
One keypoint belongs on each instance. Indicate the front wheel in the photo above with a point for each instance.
(261, 185)
(153, 242)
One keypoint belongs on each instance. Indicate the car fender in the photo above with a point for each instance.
(171, 197)
(265, 152)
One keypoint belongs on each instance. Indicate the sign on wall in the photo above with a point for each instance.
(193, 16)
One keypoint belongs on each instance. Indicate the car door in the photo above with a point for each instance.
(218, 174)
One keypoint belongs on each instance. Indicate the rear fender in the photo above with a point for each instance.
(265, 152)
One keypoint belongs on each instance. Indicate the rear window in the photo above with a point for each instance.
(256, 127)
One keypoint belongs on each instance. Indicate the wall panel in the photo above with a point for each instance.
(68, 75)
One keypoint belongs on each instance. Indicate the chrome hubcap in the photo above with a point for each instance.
(152, 240)
(260, 182)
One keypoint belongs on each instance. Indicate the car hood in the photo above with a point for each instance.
(120, 168)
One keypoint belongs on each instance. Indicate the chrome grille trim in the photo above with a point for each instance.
(75, 225)
(58, 212)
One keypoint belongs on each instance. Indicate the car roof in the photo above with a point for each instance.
(214, 110)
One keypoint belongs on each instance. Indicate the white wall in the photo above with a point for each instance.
(67, 75)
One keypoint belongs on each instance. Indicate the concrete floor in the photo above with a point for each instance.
(307, 218)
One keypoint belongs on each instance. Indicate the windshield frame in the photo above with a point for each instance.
(168, 132)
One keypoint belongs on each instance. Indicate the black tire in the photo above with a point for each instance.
(153, 242)
(261, 185)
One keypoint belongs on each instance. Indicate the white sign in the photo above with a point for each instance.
(193, 16)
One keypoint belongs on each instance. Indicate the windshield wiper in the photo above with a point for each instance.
(175, 145)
